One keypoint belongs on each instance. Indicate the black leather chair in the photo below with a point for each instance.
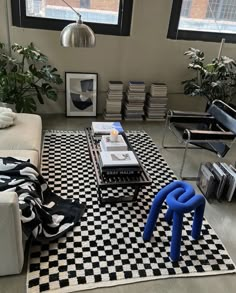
(214, 130)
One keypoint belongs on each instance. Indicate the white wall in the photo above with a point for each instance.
(145, 55)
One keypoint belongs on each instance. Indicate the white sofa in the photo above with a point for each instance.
(23, 139)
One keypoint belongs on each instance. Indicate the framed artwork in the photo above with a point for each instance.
(81, 94)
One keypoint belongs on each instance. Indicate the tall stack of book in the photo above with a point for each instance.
(134, 101)
(114, 100)
(156, 102)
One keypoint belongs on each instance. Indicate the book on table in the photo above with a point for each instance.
(108, 145)
(103, 128)
(118, 163)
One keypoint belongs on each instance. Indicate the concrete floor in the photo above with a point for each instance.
(221, 216)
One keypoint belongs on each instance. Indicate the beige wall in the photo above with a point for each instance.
(146, 55)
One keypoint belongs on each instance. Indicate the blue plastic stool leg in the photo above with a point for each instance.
(176, 236)
(169, 216)
(156, 207)
(197, 221)
(152, 219)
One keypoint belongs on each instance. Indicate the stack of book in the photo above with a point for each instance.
(118, 163)
(156, 102)
(114, 100)
(107, 145)
(134, 101)
(217, 180)
(98, 129)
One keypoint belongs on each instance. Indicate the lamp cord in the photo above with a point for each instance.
(72, 9)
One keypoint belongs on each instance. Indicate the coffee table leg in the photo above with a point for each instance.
(99, 194)
(136, 192)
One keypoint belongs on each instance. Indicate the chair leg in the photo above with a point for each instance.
(164, 133)
(189, 178)
(171, 146)
(183, 161)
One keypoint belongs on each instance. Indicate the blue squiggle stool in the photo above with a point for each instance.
(180, 198)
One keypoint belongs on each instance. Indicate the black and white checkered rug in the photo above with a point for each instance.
(107, 248)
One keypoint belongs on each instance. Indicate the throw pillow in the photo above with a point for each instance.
(6, 117)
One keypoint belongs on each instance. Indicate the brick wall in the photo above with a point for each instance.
(199, 9)
(111, 5)
(73, 3)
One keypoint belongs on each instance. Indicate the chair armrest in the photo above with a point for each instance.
(11, 246)
(207, 135)
(188, 113)
(193, 119)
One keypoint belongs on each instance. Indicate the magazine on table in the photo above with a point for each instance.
(118, 159)
(102, 128)
(108, 145)
(122, 162)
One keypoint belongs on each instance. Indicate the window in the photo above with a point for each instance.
(84, 3)
(186, 8)
(208, 20)
(112, 17)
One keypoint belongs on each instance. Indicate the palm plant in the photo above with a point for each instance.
(216, 80)
(26, 77)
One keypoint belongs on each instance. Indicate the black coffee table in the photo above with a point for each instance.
(104, 181)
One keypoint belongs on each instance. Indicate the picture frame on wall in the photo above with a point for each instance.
(81, 94)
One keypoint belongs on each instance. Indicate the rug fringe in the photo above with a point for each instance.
(50, 131)
(115, 283)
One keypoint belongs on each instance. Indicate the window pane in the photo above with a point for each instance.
(208, 15)
(97, 11)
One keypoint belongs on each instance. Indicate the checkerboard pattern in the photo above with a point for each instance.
(106, 247)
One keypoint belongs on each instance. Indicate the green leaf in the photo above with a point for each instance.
(52, 94)
(26, 77)
(49, 91)
(26, 105)
(39, 95)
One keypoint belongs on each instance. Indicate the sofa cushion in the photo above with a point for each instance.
(22, 155)
(25, 134)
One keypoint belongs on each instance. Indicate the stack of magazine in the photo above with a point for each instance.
(217, 180)
(114, 100)
(98, 129)
(118, 163)
(134, 101)
(108, 146)
(116, 158)
(156, 102)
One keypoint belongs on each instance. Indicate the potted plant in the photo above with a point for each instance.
(26, 77)
(215, 80)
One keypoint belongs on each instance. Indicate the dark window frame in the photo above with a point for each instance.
(20, 19)
(175, 34)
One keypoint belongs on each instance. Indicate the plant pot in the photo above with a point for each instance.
(6, 105)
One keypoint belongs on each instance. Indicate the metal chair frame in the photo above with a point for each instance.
(187, 142)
